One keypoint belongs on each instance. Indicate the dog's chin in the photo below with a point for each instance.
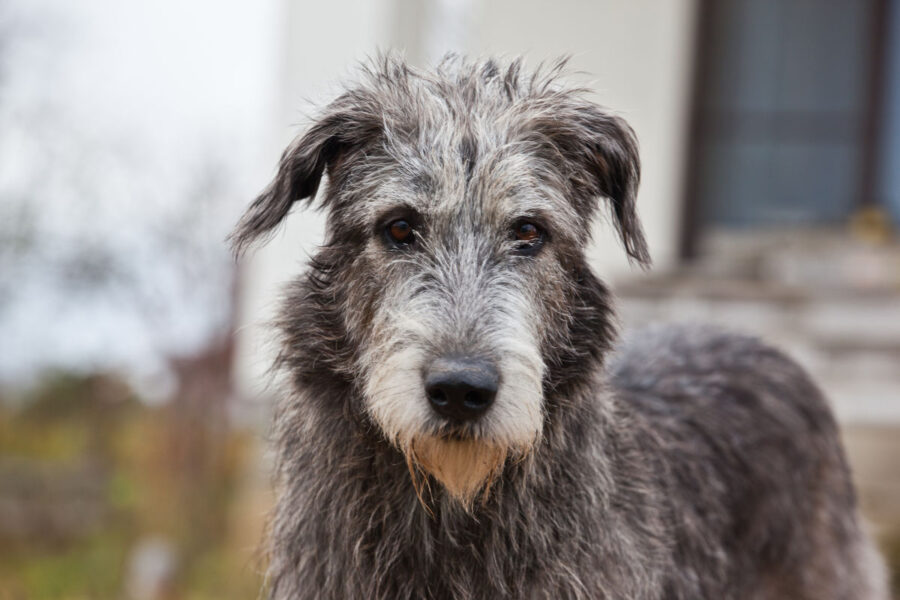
(465, 467)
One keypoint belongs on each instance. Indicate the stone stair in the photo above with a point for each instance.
(830, 301)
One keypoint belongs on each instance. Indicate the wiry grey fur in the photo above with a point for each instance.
(697, 465)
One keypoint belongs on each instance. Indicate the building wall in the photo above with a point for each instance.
(321, 42)
(636, 55)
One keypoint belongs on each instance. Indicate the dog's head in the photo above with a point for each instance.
(452, 287)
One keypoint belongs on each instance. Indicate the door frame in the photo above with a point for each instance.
(692, 226)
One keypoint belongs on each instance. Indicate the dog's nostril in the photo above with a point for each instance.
(461, 389)
(436, 395)
(474, 399)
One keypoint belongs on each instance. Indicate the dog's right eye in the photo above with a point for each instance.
(400, 232)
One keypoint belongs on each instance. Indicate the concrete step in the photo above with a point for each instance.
(831, 303)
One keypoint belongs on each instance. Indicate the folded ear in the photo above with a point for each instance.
(601, 152)
(615, 162)
(346, 125)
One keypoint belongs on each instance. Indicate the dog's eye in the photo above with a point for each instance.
(528, 237)
(400, 232)
(527, 232)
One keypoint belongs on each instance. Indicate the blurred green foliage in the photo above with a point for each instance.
(90, 474)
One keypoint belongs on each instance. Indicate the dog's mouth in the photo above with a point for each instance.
(455, 436)
(455, 432)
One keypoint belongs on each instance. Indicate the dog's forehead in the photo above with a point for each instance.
(459, 145)
(467, 179)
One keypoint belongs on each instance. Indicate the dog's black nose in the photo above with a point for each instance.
(461, 389)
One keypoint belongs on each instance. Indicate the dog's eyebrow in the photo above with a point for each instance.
(523, 203)
(541, 216)
(401, 210)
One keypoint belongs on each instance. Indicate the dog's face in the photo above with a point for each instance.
(452, 283)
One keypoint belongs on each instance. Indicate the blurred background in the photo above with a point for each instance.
(134, 399)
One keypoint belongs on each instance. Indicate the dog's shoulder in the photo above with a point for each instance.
(687, 368)
(660, 350)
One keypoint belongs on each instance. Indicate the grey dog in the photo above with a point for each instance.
(461, 422)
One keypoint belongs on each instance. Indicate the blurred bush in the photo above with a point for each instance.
(104, 496)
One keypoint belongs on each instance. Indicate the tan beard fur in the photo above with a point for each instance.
(464, 467)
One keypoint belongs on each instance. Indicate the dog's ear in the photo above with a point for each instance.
(347, 125)
(601, 152)
(613, 159)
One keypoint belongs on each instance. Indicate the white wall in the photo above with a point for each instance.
(321, 43)
(637, 54)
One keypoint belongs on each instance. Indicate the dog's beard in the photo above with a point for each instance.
(465, 467)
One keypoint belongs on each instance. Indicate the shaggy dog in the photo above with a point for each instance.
(453, 428)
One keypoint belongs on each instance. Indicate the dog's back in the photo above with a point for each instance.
(758, 484)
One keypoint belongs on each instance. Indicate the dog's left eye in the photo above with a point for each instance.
(528, 236)
(527, 232)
